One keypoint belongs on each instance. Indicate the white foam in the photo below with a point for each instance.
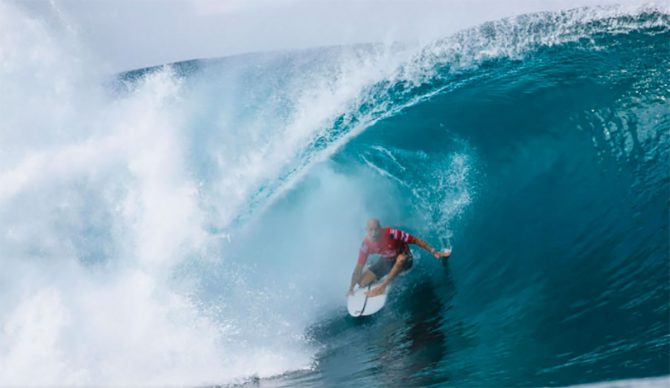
(99, 207)
(662, 381)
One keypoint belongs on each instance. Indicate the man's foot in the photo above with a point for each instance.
(376, 291)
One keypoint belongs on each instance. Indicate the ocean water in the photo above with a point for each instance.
(197, 223)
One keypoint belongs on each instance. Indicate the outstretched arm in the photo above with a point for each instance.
(433, 251)
(407, 238)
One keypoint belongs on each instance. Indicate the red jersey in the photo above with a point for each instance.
(391, 243)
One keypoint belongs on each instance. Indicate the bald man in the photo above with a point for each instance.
(392, 245)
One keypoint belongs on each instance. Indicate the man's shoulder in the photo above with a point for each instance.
(398, 234)
(391, 230)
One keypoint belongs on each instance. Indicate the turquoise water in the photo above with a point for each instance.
(200, 221)
(560, 267)
(560, 270)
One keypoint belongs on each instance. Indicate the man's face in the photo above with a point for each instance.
(373, 230)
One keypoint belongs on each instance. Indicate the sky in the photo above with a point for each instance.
(129, 34)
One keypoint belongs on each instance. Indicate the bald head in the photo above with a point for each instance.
(373, 229)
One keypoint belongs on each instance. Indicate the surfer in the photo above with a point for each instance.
(392, 245)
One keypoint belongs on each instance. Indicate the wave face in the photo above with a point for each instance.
(197, 223)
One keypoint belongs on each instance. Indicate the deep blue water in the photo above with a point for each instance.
(560, 272)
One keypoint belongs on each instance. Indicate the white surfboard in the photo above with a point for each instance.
(360, 305)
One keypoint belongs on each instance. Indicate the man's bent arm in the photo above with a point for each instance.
(356, 276)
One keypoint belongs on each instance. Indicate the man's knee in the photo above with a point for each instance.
(367, 278)
(402, 258)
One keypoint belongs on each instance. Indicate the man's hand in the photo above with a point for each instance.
(350, 292)
(376, 291)
(441, 254)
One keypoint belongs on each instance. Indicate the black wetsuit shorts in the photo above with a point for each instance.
(384, 265)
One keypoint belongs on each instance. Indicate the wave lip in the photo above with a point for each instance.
(651, 382)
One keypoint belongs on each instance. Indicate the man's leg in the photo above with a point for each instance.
(367, 278)
(376, 271)
(397, 267)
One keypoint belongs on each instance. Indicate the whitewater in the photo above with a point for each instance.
(196, 223)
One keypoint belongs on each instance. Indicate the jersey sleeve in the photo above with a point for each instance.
(363, 253)
(400, 235)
